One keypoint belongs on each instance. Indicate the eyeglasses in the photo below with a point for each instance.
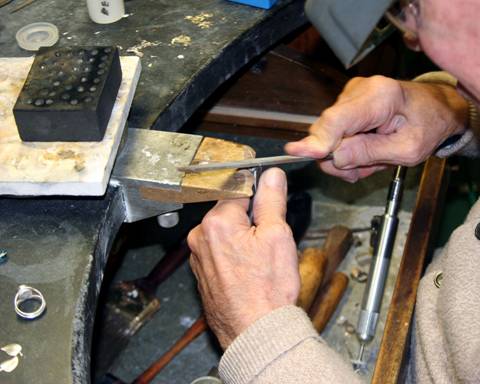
(404, 16)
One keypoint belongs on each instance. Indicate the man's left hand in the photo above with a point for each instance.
(244, 271)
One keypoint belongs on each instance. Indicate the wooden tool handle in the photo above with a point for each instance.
(197, 328)
(312, 267)
(316, 266)
(167, 265)
(337, 244)
(328, 299)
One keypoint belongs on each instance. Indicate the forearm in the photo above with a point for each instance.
(283, 347)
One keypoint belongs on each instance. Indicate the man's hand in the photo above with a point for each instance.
(245, 271)
(378, 121)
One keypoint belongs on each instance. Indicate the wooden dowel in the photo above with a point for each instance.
(312, 266)
(336, 246)
(197, 328)
(317, 266)
(329, 297)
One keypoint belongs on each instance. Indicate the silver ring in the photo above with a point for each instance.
(25, 293)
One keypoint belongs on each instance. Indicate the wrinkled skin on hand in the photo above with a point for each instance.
(378, 121)
(244, 271)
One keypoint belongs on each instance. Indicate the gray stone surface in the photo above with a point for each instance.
(59, 247)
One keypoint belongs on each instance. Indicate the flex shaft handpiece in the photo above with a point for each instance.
(372, 298)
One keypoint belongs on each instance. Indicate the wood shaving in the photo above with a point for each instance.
(136, 49)
(181, 40)
(201, 20)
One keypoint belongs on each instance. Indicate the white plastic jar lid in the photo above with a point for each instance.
(33, 36)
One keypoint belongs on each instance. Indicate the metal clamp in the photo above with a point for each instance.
(26, 293)
(149, 159)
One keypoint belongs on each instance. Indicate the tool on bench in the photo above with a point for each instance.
(323, 232)
(69, 94)
(328, 294)
(197, 328)
(372, 298)
(312, 266)
(328, 299)
(317, 265)
(249, 163)
(131, 304)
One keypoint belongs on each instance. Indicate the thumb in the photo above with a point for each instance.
(270, 204)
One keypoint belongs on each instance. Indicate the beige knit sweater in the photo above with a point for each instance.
(283, 347)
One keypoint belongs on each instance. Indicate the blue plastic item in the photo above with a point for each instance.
(265, 4)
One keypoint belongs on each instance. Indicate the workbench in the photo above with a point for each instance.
(60, 245)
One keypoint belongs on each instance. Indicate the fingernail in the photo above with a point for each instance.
(275, 178)
(353, 177)
(352, 180)
(341, 158)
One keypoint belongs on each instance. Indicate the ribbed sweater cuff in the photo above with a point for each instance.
(467, 144)
(264, 341)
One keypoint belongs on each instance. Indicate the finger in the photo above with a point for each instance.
(194, 238)
(393, 125)
(333, 124)
(325, 135)
(223, 223)
(374, 149)
(238, 205)
(345, 119)
(270, 204)
(368, 171)
(199, 274)
(193, 261)
(350, 175)
(309, 146)
(229, 214)
(200, 247)
(337, 122)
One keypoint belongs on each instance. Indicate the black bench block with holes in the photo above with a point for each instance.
(69, 94)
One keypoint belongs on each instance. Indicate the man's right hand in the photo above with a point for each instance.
(378, 121)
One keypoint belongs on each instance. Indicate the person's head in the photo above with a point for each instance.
(449, 33)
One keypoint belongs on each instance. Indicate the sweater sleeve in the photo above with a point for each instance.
(283, 347)
(468, 143)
